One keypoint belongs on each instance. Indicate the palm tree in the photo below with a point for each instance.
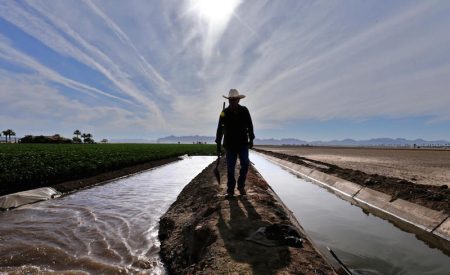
(11, 133)
(8, 133)
(5, 133)
(76, 139)
(77, 133)
(87, 138)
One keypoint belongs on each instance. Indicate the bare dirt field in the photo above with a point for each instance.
(421, 166)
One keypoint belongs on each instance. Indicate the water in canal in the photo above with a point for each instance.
(365, 243)
(107, 229)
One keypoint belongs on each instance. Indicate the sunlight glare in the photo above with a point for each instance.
(216, 10)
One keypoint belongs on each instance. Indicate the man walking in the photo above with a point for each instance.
(235, 124)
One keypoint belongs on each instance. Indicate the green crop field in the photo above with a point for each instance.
(33, 165)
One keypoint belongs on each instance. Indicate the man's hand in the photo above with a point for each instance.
(250, 144)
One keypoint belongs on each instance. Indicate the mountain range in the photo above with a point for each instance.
(294, 141)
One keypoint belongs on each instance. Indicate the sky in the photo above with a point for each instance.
(312, 70)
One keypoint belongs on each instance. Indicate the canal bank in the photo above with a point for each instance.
(205, 232)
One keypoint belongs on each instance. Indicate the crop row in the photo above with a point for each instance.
(24, 166)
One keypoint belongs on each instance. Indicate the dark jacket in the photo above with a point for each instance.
(236, 127)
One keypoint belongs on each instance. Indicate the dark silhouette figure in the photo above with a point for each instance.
(236, 127)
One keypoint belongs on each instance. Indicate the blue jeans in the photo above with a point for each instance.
(231, 165)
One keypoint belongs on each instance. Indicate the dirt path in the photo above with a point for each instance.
(431, 196)
(204, 232)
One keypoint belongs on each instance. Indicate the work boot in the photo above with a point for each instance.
(242, 191)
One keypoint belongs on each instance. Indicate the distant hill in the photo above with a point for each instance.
(294, 141)
(209, 139)
(186, 139)
(382, 142)
(131, 141)
(283, 141)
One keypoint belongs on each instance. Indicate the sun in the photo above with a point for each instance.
(215, 10)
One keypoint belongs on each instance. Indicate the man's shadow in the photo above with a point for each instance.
(240, 225)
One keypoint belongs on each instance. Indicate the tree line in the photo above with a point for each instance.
(85, 137)
(78, 138)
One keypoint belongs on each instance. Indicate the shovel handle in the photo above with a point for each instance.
(219, 150)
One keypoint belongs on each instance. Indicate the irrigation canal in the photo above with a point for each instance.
(107, 229)
(112, 228)
(365, 243)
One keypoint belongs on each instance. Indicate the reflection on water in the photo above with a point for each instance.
(366, 243)
(107, 229)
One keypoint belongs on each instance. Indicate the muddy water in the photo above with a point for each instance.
(108, 229)
(365, 243)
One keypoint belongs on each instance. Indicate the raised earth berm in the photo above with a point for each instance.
(205, 232)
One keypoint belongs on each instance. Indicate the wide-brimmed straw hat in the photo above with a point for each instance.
(233, 93)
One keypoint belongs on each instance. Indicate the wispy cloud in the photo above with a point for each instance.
(8, 53)
(54, 36)
(147, 69)
(339, 71)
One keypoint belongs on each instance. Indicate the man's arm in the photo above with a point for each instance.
(251, 134)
